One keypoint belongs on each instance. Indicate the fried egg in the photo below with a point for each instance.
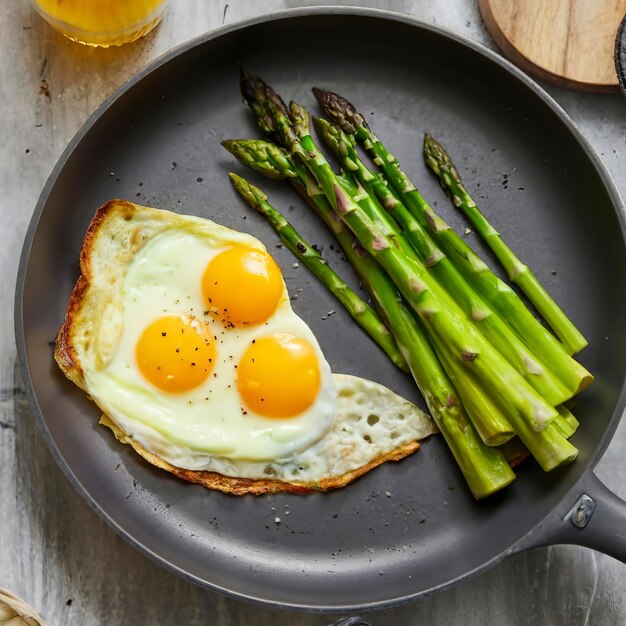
(210, 354)
(182, 332)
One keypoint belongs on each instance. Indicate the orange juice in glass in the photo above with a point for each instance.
(102, 22)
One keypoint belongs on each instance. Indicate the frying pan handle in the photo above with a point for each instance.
(350, 621)
(594, 517)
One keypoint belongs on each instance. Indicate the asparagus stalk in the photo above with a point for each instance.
(490, 423)
(495, 291)
(361, 312)
(485, 469)
(510, 390)
(475, 308)
(371, 206)
(519, 273)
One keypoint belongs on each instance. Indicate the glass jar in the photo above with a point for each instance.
(102, 23)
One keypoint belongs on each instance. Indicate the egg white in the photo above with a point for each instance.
(371, 422)
(164, 278)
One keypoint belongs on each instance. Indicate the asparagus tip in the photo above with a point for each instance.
(432, 146)
(300, 117)
(339, 110)
(249, 84)
(320, 124)
(319, 94)
(238, 182)
(255, 90)
(251, 194)
(438, 159)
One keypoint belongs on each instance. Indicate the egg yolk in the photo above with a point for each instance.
(176, 353)
(279, 376)
(242, 286)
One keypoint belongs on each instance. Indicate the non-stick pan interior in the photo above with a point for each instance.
(407, 527)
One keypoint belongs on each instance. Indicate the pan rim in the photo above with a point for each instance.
(287, 14)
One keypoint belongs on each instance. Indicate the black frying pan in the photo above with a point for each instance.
(409, 528)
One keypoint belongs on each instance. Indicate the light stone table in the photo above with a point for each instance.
(54, 551)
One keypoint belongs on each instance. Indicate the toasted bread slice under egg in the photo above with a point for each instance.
(373, 425)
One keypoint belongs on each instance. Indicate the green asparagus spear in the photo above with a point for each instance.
(490, 423)
(495, 291)
(440, 163)
(468, 346)
(361, 312)
(448, 277)
(485, 469)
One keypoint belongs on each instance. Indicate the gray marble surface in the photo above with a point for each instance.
(54, 551)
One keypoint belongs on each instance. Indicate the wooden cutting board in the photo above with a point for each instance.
(566, 42)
